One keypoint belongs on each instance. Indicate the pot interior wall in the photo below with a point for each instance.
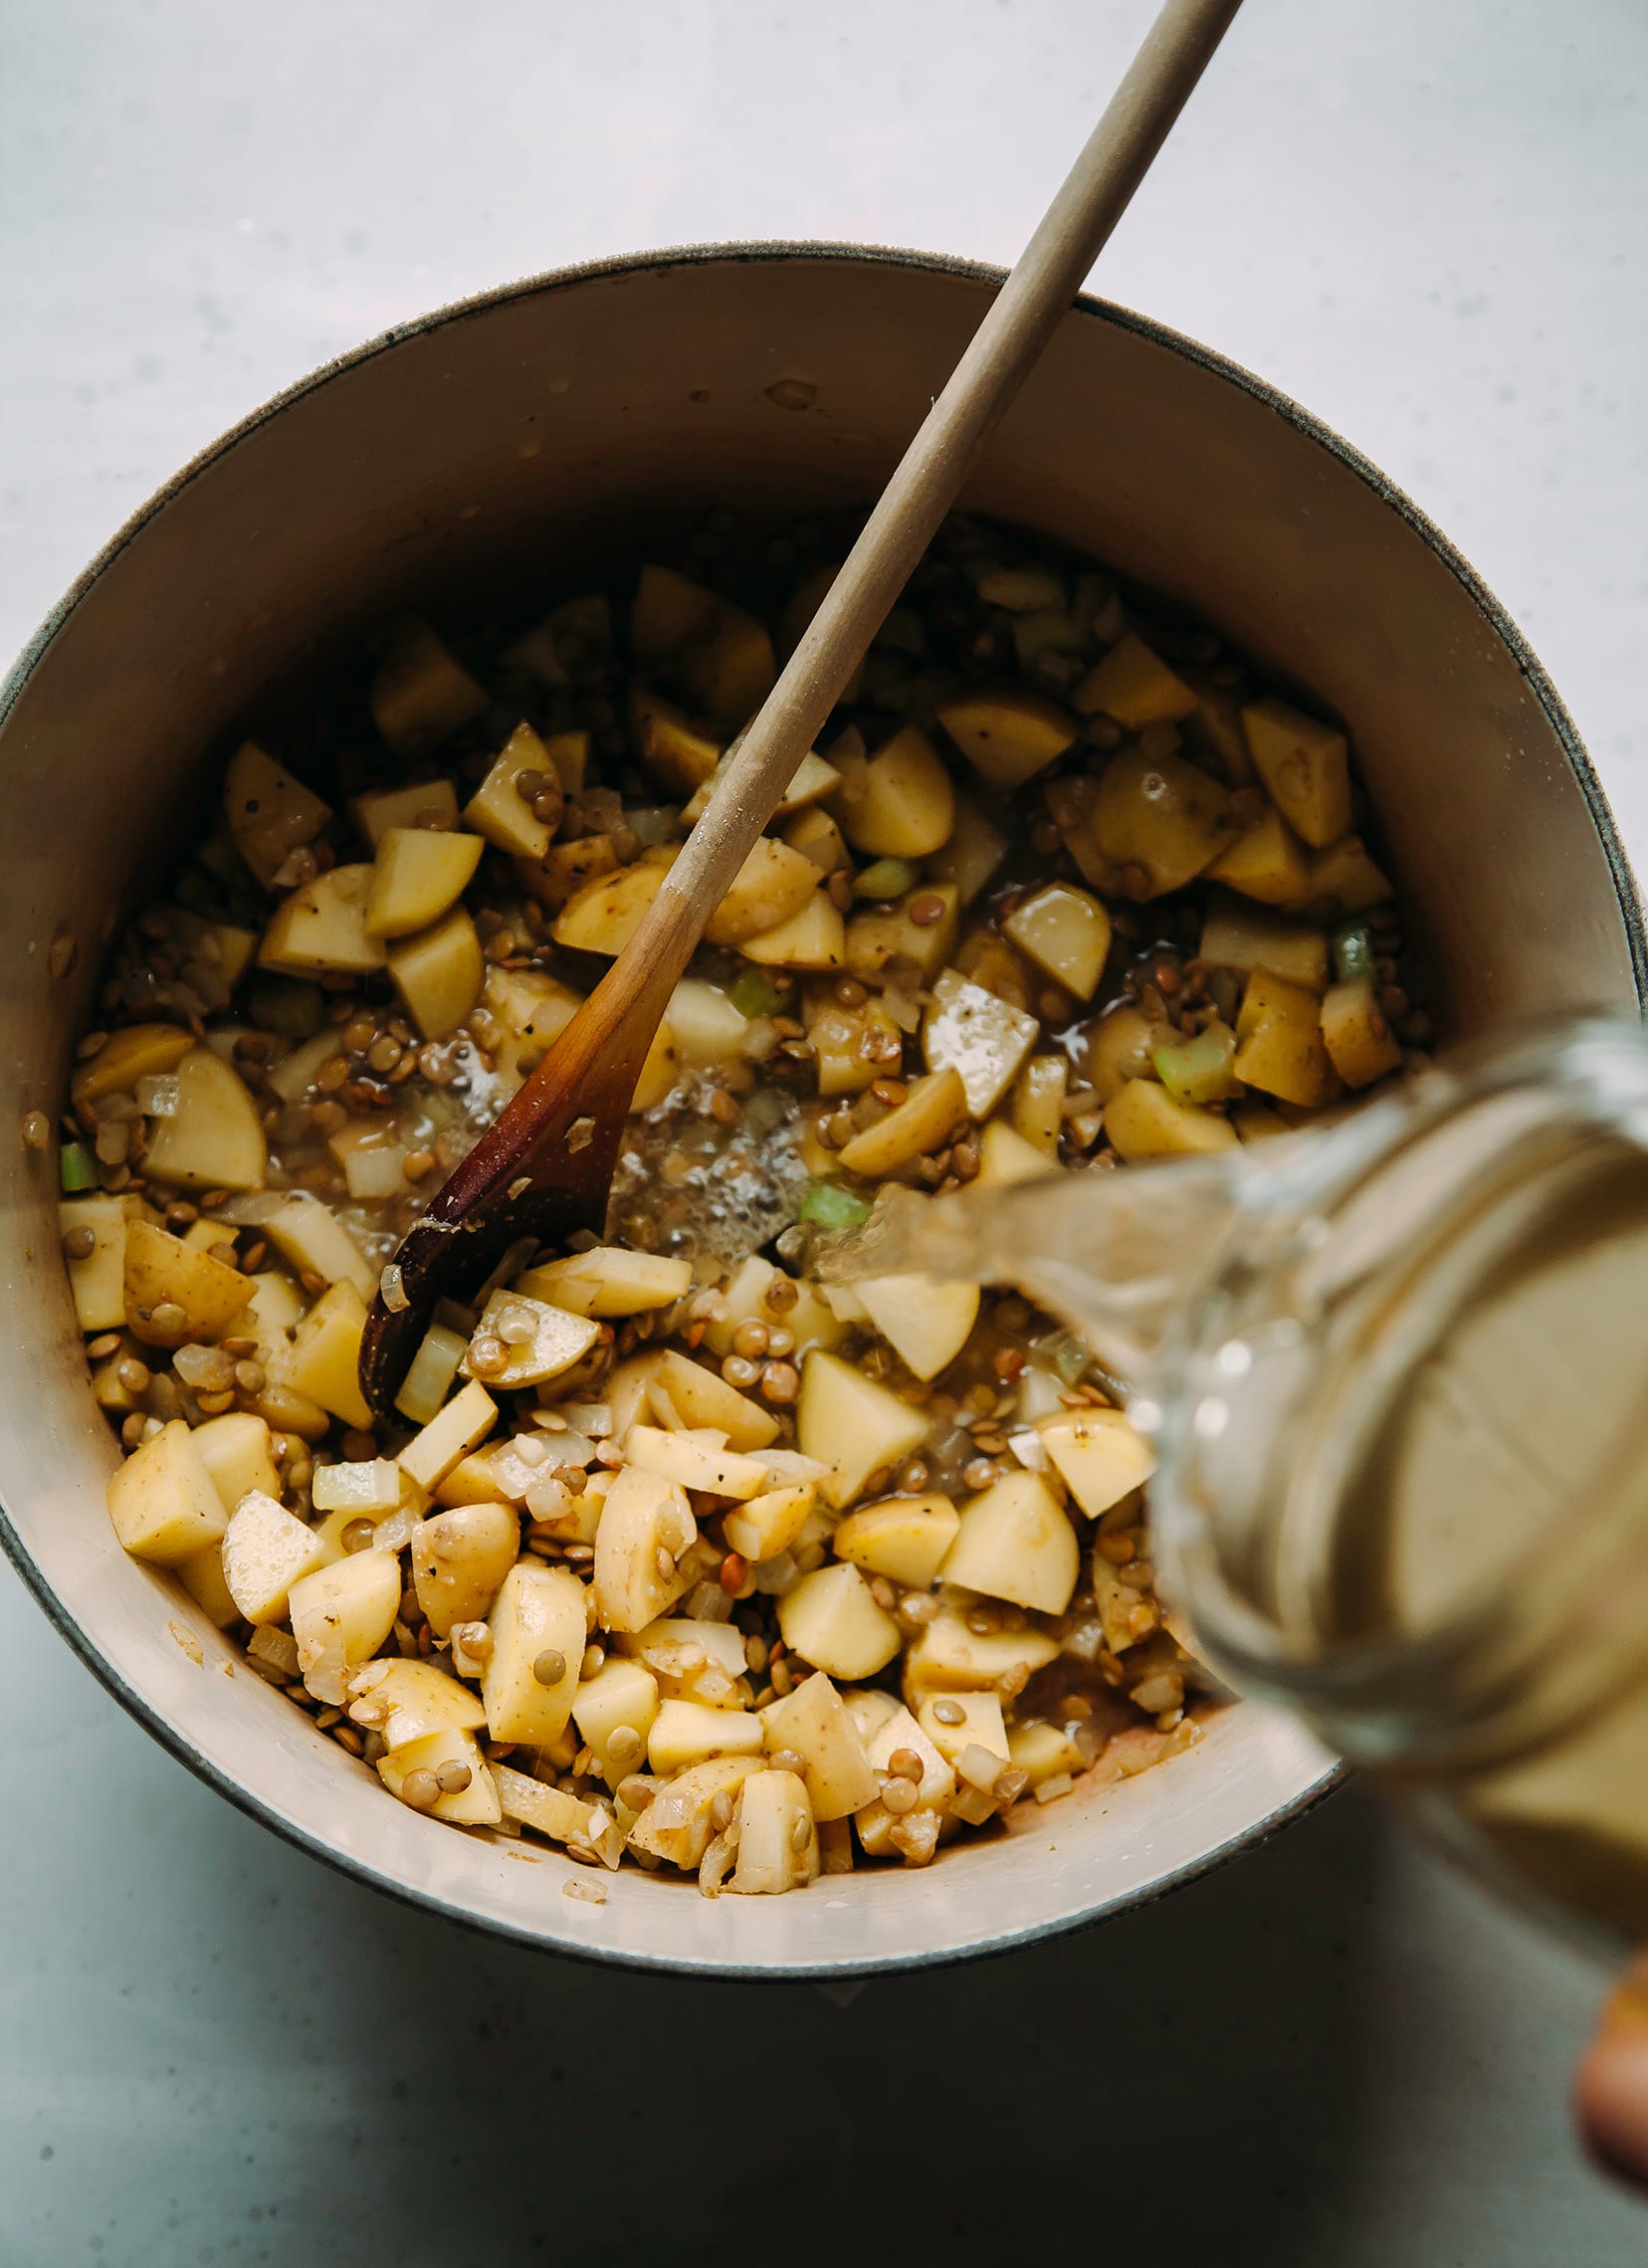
(524, 441)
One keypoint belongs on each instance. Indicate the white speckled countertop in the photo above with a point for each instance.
(1429, 224)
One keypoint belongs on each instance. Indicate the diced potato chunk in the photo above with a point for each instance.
(557, 1341)
(265, 1550)
(692, 1461)
(1144, 1120)
(1254, 1121)
(983, 1039)
(1066, 931)
(1360, 1042)
(675, 1824)
(340, 1616)
(902, 1537)
(773, 882)
(417, 874)
(309, 1235)
(1240, 936)
(897, 1729)
(678, 755)
(898, 803)
(848, 1043)
(499, 810)
(971, 854)
(603, 916)
(1343, 880)
(778, 1842)
(214, 1140)
(921, 1122)
(546, 1810)
(162, 1500)
(817, 836)
(473, 1806)
(948, 1657)
(703, 1398)
(137, 1051)
(766, 1524)
(1134, 686)
(924, 1320)
(425, 803)
(646, 1526)
(730, 672)
(466, 1420)
(235, 1450)
(1099, 1456)
(707, 1027)
(668, 613)
(814, 937)
(1159, 821)
(368, 1486)
(1008, 736)
(830, 1619)
(161, 1271)
(201, 1575)
(416, 1698)
(321, 929)
(269, 814)
(621, 1698)
(324, 1361)
(1043, 1751)
(851, 1424)
(608, 1282)
(1004, 1158)
(746, 1300)
(814, 1722)
(460, 1559)
(686, 1733)
(1036, 1107)
(898, 945)
(439, 971)
(1016, 1543)
(538, 1616)
(97, 1283)
(1304, 765)
(421, 694)
(981, 1724)
(1267, 861)
(1278, 1042)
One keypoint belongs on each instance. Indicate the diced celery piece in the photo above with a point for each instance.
(832, 1206)
(1067, 1354)
(884, 877)
(77, 1169)
(1354, 954)
(429, 1381)
(754, 994)
(1198, 1070)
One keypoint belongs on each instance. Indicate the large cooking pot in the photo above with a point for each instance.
(528, 436)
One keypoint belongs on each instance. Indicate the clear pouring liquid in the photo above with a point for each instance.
(1399, 1376)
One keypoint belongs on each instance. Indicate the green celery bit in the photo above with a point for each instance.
(1198, 1070)
(1067, 1354)
(1353, 951)
(754, 994)
(77, 1169)
(832, 1206)
(884, 877)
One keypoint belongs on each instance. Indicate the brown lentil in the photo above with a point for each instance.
(549, 1667)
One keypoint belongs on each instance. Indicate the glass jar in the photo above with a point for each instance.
(1397, 1375)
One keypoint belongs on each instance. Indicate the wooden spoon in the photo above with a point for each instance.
(544, 1170)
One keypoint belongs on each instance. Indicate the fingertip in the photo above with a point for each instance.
(1610, 2104)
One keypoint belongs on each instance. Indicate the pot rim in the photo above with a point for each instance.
(1091, 307)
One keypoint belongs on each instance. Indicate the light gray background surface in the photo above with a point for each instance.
(1427, 222)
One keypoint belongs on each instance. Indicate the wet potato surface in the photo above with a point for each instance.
(675, 1555)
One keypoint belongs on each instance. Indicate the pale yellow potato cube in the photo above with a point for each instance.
(682, 1654)
(1306, 765)
(420, 692)
(269, 814)
(1043, 1751)
(817, 835)
(693, 1461)
(1036, 1112)
(438, 973)
(898, 803)
(1280, 1046)
(1005, 1157)
(902, 1537)
(983, 1039)
(340, 1616)
(851, 1424)
(702, 1397)
(558, 1339)
(1066, 931)
(499, 811)
(202, 1577)
(766, 1524)
(948, 1657)
(773, 882)
(464, 1423)
(608, 1282)
(981, 1724)
(1016, 1542)
(668, 613)
(162, 1500)
(604, 915)
(895, 1728)
(425, 803)
(813, 939)
(309, 1234)
(972, 853)
(215, 1137)
(1343, 880)
(675, 1824)
(324, 1361)
(321, 929)
(415, 1698)
(429, 1379)
(137, 1051)
(1134, 685)
(646, 1526)
(96, 1284)
(830, 1619)
(265, 1550)
(1159, 821)
(626, 1394)
(925, 1322)
(728, 672)
(460, 1559)
(546, 1810)
(1360, 1042)
(475, 1805)
(894, 943)
(774, 1818)
(707, 1028)
(919, 1124)
(418, 874)
(538, 1611)
(1143, 1122)
(275, 1307)
(814, 1722)
(294, 1076)
(1267, 861)
(1099, 1456)
(235, 1450)
(622, 1696)
(746, 1299)
(367, 1486)
(1008, 736)
(1256, 1122)
(1244, 937)
(686, 1733)
(678, 755)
